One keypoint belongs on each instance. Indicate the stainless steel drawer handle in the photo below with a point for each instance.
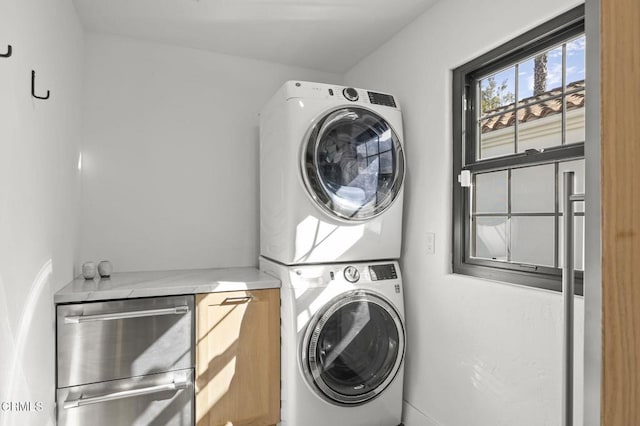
(73, 403)
(75, 319)
(237, 300)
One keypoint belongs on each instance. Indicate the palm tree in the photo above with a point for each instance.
(540, 74)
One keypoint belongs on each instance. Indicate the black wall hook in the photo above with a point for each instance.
(8, 54)
(33, 87)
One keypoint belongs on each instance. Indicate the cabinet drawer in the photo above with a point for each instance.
(123, 338)
(154, 400)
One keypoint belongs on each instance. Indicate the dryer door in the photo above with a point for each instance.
(354, 348)
(353, 164)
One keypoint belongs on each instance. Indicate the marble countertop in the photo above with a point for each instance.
(126, 285)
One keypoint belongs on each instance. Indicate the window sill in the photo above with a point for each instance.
(526, 279)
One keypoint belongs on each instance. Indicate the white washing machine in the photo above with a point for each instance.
(332, 167)
(342, 343)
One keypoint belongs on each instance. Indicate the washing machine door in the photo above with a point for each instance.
(354, 348)
(353, 163)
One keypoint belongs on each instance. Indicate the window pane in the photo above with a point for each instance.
(578, 244)
(490, 240)
(575, 117)
(541, 76)
(532, 240)
(497, 136)
(540, 125)
(575, 60)
(576, 166)
(525, 80)
(497, 91)
(533, 189)
(490, 192)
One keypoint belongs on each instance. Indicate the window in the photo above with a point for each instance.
(518, 124)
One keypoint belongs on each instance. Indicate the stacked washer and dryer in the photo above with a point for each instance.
(331, 186)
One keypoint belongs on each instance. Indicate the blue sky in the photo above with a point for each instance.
(575, 69)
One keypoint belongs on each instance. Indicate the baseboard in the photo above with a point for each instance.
(411, 416)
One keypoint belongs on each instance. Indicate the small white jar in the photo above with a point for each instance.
(89, 270)
(105, 268)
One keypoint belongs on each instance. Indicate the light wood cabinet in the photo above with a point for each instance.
(238, 358)
(620, 156)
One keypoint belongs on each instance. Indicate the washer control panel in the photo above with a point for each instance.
(383, 272)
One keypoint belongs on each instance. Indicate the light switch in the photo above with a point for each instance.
(431, 243)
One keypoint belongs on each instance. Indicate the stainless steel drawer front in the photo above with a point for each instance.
(123, 338)
(157, 399)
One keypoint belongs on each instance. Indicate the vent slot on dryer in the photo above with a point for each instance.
(381, 99)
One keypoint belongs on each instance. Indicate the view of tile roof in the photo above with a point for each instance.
(535, 107)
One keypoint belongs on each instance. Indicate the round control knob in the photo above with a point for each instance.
(351, 274)
(351, 94)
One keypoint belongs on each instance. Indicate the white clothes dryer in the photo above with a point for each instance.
(342, 343)
(332, 168)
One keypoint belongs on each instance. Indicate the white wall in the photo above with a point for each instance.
(479, 352)
(170, 154)
(39, 190)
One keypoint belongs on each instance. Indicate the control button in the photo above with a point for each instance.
(351, 274)
(351, 94)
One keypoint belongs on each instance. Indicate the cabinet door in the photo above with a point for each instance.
(620, 150)
(238, 358)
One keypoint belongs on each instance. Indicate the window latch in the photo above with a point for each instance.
(465, 179)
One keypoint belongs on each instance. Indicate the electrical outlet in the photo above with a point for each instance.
(431, 243)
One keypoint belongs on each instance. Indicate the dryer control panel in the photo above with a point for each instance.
(304, 89)
(383, 272)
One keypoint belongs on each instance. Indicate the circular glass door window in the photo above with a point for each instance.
(353, 164)
(354, 349)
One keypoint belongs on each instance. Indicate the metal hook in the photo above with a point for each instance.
(33, 87)
(8, 54)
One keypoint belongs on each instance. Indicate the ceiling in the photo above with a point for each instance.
(327, 35)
